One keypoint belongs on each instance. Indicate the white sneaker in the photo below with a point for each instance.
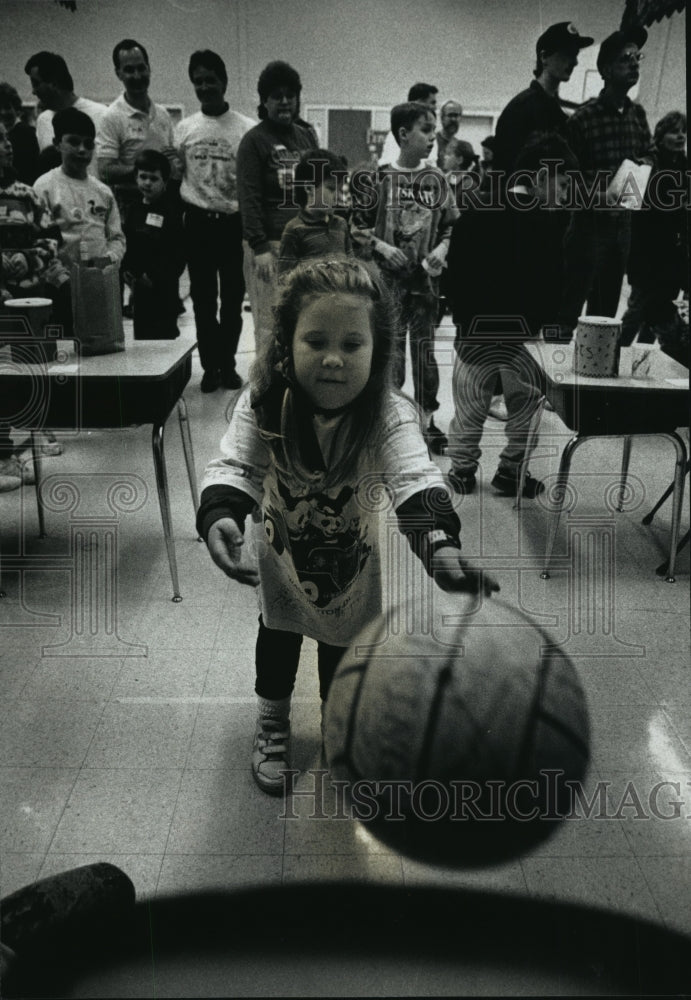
(270, 754)
(497, 408)
(25, 462)
(10, 474)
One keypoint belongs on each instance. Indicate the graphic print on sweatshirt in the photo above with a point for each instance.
(321, 533)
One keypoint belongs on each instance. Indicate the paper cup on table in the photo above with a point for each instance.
(28, 343)
(596, 348)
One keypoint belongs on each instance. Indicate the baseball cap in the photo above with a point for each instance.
(618, 40)
(563, 35)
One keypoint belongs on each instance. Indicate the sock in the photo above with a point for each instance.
(274, 708)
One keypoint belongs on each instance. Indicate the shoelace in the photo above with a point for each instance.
(273, 742)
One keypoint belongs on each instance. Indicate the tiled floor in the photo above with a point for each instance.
(144, 760)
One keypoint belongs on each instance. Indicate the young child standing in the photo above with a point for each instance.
(498, 306)
(403, 215)
(317, 231)
(155, 256)
(29, 266)
(83, 208)
(319, 426)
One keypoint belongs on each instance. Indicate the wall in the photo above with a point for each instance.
(355, 52)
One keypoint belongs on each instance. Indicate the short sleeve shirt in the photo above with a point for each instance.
(318, 549)
(125, 130)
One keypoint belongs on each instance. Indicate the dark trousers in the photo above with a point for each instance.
(277, 658)
(156, 309)
(648, 309)
(214, 261)
(596, 252)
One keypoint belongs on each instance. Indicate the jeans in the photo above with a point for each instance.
(214, 259)
(277, 658)
(417, 308)
(474, 380)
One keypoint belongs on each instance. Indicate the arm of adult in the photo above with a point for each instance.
(111, 169)
(250, 177)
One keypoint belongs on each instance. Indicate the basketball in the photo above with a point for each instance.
(457, 730)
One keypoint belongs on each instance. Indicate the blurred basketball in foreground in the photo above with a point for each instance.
(459, 744)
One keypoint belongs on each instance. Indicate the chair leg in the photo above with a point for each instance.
(531, 441)
(668, 492)
(626, 456)
(680, 470)
(560, 494)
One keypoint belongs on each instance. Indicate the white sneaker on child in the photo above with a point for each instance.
(10, 474)
(270, 754)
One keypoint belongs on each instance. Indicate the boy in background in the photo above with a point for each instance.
(403, 216)
(155, 256)
(505, 271)
(83, 207)
(317, 231)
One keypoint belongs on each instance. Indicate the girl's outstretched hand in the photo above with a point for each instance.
(452, 573)
(225, 541)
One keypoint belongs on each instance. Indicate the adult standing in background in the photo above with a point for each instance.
(131, 123)
(22, 136)
(207, 143)
(421, 93)
(604, 132)
(658, 266)
(537, 108)
(53, 86)
(267, 157)
(451, 114)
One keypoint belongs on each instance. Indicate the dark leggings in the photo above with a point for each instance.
(277, 658)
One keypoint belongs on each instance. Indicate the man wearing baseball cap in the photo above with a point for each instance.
(602, 133)
(537, 108)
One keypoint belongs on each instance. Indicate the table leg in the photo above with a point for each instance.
(187, 449)
(678, 497)
(626, 456)
(164, 503)
(530, 443)
(560, 493)
(668, 492)
(38, 467)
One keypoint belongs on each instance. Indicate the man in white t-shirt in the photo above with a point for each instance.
(52, 84)
(131, 123)
(207, 143)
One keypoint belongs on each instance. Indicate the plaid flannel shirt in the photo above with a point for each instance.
(602, 137)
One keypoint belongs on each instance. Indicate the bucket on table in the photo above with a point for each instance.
(596, 348)
(28, 342)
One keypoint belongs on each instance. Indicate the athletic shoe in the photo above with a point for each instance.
(506, 483)
(25, 464)
(497, 409)
(461, 482)
(436, 439)
(10, 474)
(270, 754)
(210, 381)
(20, 467)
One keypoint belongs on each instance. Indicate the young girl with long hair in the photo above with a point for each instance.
(315, 444)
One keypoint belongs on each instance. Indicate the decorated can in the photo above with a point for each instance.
(596, 350)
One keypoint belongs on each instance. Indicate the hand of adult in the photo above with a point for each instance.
(266, 265)
(392, 255)
(225, 542)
